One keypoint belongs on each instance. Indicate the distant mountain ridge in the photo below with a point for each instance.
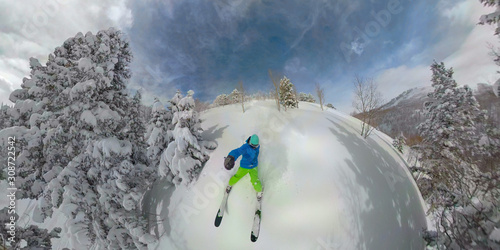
(403, 113)
(409, 97)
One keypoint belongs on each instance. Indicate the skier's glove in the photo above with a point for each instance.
(229, 162)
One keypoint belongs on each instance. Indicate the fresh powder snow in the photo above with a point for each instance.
(325, 186)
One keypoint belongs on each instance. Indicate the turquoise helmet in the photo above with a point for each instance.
(254, 140)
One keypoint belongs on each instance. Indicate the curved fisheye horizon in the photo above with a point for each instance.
(250, 124)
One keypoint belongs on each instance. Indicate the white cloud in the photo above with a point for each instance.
(460, 13)
(358, 47)
(293, 66)
(226, 10)
(471, 62)
(120, 15)
(32, 28)
(394, 81)
(6, 88)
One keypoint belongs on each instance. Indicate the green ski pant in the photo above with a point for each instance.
(254, 177)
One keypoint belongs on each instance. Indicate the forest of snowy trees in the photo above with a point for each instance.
(457, 167)
(458, 170)
(83, 144)
(453, 155)
(287, 95)
(88, 147)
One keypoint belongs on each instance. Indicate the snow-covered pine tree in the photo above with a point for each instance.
(136, 130)
(399, 142)
(492, 18)
(310, 98)
(287, 94)
(234, 97)
(186, 155)
(30, 237)
(449, 133)
(158, 137)
(303, 97)
(34, 114)
(174, 103)
(449, 152)
(5, 120)
(29, 99)
(484, 215)
(94, 176)
(87, 70)
(492, 148)
(221, 100)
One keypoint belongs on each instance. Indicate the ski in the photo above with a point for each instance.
(222, 208)
(256, 219)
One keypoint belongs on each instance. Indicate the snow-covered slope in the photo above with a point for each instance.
(325, 186)
(409, 98)
(403, 113)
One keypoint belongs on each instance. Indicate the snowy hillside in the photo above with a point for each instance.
(404, 113)
(409, 97)
(324, 186)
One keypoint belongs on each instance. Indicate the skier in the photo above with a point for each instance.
(248, 164)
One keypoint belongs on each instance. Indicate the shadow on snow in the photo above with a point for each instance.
(387, 217)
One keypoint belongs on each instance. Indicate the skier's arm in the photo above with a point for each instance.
(232, 156)
(237, 152)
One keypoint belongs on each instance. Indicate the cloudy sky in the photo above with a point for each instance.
(210, 45)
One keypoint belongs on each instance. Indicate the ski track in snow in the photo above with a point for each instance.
(325, 186)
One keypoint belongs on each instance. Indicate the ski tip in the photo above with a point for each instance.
(218, 219)
(253, 238)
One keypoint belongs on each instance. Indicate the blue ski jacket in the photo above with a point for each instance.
(250, 155)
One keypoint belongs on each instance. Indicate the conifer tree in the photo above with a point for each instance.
(159, 136)
(221, 100)
(399, 142)
(82, 141)
(459, 191)
(185, 155)
(287, 95)
(303, 97)
(234, 97)
(30, 237)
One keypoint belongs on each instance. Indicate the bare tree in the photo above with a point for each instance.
(367, 101)
(242, 95)
(276, 84)
(321, 95)
(296, 95)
